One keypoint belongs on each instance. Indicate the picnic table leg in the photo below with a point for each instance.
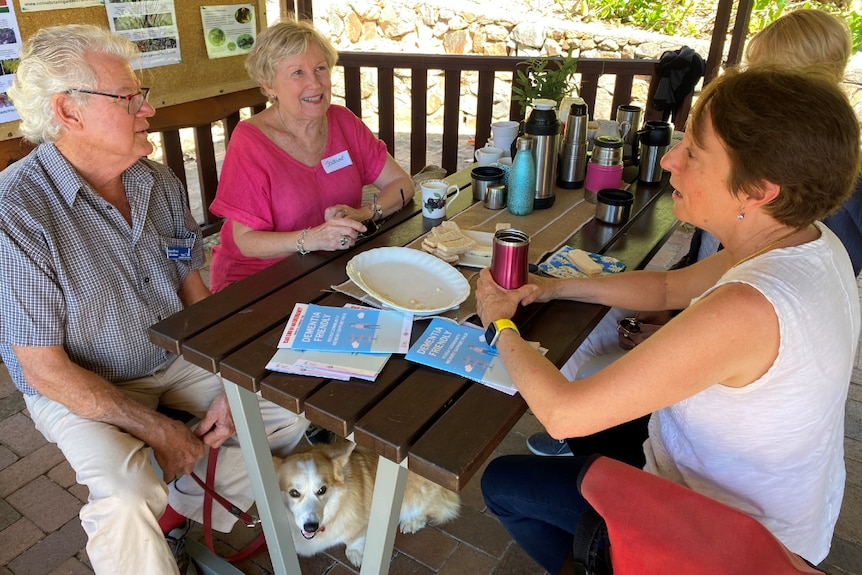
(385, 508)
(264, 483)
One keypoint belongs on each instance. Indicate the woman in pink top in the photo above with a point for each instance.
(293, 174)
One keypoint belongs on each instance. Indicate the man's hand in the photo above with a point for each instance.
(177, 450)
(217, 425)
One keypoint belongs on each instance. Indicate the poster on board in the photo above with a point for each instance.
(151, 25)
(228, 30)
(10, 46)
(37, 5)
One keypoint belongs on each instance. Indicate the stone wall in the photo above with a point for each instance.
(524, 28)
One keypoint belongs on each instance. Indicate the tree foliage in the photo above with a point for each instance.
(674, 16)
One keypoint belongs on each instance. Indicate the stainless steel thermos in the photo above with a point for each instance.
(654, 139)
(573, 151)
(544, 127)
(605, 168)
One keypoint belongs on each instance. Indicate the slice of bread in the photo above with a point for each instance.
(447, 241)
(456, 247)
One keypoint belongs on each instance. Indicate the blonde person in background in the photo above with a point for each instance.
(293, 174)
(803, 39)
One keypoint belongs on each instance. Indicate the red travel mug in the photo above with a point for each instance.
(509, 258)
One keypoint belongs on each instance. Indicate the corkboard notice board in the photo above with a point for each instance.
(196, 77)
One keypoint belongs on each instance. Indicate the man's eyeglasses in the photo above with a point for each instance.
(136, 101)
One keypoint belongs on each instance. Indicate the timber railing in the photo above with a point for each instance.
(491, 72)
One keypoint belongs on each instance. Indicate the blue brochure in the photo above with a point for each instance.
(347, 329)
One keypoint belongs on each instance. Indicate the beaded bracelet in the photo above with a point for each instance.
(300, 243)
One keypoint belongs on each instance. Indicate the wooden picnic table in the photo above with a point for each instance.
(439, 425)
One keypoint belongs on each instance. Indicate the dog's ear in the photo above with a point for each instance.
(277, 461)
(340, 455)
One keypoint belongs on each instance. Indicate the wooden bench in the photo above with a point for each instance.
(224, 110)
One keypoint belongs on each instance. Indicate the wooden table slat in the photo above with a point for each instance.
(476, 424)
(392, 426)
(338, 405)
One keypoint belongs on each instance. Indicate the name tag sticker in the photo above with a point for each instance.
(336, 162)
(178, 253)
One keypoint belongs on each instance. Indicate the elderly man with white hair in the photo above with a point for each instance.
(96, 245)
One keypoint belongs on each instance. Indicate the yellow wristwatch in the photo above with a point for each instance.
(492, 334)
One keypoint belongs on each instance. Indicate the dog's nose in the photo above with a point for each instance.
(311, 527)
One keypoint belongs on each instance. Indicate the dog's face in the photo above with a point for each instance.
(311, 483)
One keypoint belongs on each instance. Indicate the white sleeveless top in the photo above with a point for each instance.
(774, 449)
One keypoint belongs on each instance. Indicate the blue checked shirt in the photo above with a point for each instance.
(74, 274)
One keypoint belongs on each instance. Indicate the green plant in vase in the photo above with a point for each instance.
(545, 77)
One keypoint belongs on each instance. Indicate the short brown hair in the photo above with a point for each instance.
(788, 128)
(805, 38)
(282, 40)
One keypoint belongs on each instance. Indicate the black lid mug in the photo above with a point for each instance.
(654, 140)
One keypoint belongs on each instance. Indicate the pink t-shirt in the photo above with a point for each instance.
(264, 188)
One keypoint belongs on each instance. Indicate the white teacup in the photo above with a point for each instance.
(488, 155)
(434, 194)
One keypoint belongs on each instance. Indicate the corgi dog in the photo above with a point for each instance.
(327, 489)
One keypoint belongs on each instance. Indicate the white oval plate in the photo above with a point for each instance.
(408, 280)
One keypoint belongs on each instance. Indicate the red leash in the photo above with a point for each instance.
(259, 543)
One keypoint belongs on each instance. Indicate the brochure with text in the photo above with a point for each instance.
(461, 349)
(347, 329)
(332, 365)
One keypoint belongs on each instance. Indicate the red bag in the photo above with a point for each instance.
(658, 527)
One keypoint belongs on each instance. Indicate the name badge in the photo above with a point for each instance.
(177, 253)
(336, 162)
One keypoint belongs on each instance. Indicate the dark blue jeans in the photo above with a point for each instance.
(537, 500)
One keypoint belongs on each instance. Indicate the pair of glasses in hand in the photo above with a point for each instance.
(371, 228)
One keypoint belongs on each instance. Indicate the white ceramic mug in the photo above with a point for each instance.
(503, 134)
(613, 128)
(488, 155)
(434, 194)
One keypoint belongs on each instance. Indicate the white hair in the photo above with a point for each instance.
(53, 61)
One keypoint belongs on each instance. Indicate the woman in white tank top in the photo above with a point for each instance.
(747, 385)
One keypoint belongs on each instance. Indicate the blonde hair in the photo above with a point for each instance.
(53, 61)
(283, 40)
(803, 39)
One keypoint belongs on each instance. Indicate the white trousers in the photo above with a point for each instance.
(603, 342)
(127, 496)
